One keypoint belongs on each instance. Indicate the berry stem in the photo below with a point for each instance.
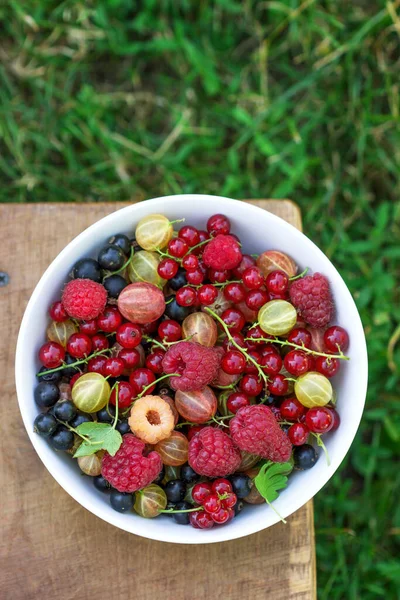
(302, 274)
(123, 266)
(116, 384)
(147, 387)
(197, 246)
(244, 351)
(170, 511)
(177, 221)
(76, 363)
(299, 347)
(321, 444)
(210, 422)
(83, 437)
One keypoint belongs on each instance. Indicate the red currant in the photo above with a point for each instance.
(221, 516)
(169, 330)
(149, 327)
(252, 278)
(177, 247)
(110, 319)
(190, 262)
(237, 337)
(218, 276)
(79, 345)
(276, 412)
(221, 486)
(278, 385)
(256, 333)
(51, 355)
(277, 282)
(236, 401)
(336, 419)
(297, 362)
(246, 262)
(283, 296)
(268, 349)
(201, 520)
(193, 430)
(298, 434)
(336, 338)
(57, 312)
(129, 335)
(255, 299)
(99, 342)
(250, 366)
(167, 268)
(300, 336)
(234, 319)
(195, 277)
(319, 419)
(251, 385)
(88, 327)
(154, 360)
(201, 491)
(234, 292)
(131, 357)
(126, 395)
(189, 234)
(229, 501)
(114, 366)
(207, 294)
(233, 362)
(291, 409)
(74, 379)
(140, 379)
(203, 235)
(270, 362)
(218, 224)
(186, 296)
(327, 366)
(97, 364)
(212, 503)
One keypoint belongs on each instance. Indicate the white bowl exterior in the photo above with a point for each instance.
(258, 230)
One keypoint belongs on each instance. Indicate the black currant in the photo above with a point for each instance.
(122, 241)
(79, 419)
(87, 268)
(45, 425)
(188, 475)
(111, 258)
(64, 411)
(114, 285)
(69, 371)
(50, 377)
(121, 502)
(238, 507)
(181, 518)
(241, 485)
(46, 394)
(160, 477)
(62, 439)
(106, 415)
(101, 484)
(175, 490)
(304, 457)
(123, 427)
(178, 281)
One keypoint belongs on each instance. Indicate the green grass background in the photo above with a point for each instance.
(116, 99)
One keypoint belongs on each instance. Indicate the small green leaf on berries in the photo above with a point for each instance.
(98, 436)
(271, 478)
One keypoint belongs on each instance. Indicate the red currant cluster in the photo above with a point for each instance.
(218, 501)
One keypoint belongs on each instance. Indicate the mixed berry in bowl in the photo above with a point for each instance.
(186, 377)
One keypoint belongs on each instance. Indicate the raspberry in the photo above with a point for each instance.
(197, 365)
(84, 299)
(130, 470)
(151, 419)
(254, 429)
(312, 297)
(212, 453)
(222, 253)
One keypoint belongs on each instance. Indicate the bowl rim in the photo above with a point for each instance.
(183, 538)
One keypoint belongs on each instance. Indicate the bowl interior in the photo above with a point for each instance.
(258, 230)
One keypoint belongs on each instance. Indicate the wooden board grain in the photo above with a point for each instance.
(51, 547)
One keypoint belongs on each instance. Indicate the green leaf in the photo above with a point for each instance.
(271, 478)
(101, 436)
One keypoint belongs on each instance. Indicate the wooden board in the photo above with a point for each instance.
(51, 547)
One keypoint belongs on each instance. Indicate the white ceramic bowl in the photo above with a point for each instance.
(258, 230)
